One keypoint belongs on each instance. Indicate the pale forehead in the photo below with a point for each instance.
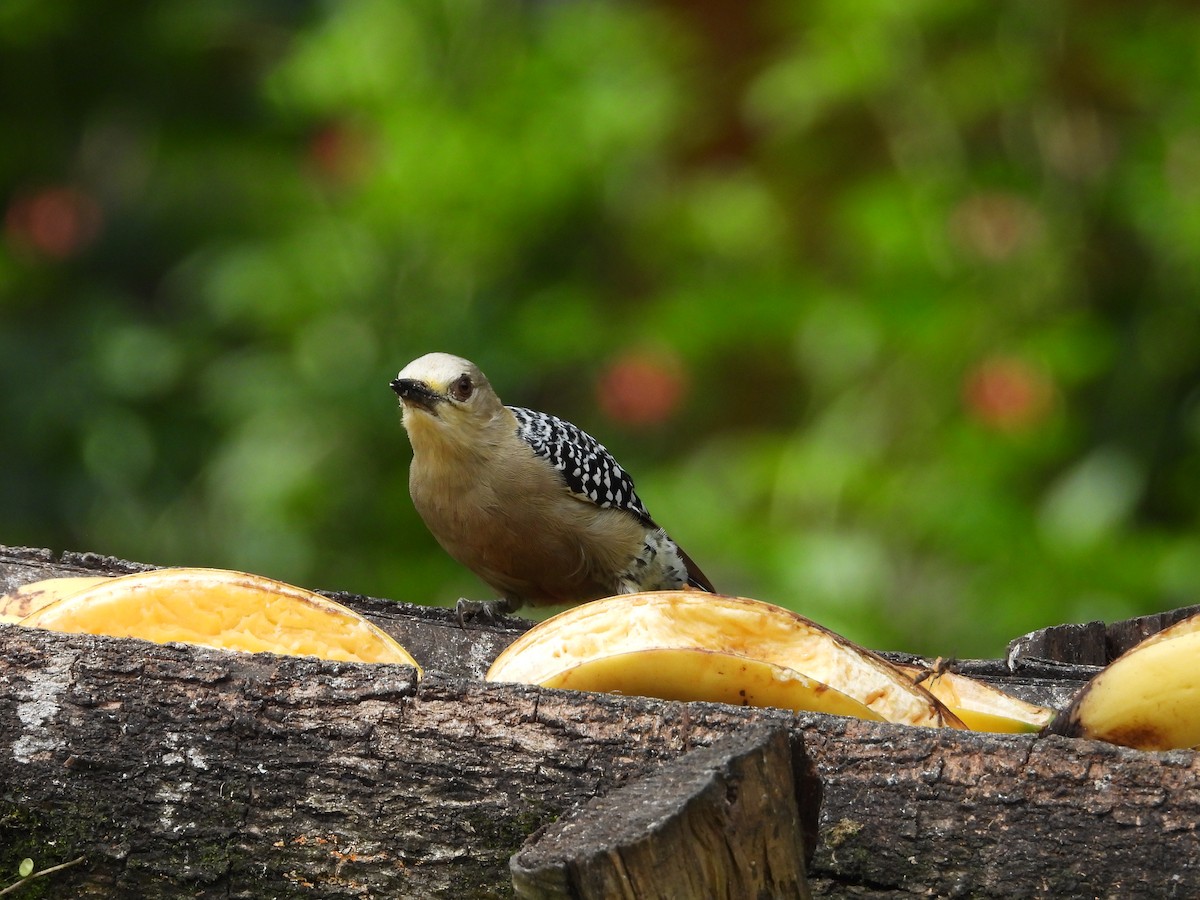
(439, 368)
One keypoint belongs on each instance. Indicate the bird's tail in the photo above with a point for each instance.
(696, 578)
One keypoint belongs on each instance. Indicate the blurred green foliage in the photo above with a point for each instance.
(893, 309)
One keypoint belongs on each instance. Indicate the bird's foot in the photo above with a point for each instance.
(488, 610)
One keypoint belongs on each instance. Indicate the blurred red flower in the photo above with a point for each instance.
(642, 388)
(1008, 394)
(339, 152)
(58, 222)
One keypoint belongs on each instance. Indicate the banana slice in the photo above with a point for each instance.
(1147, 698)
(979, 705)
(679, 674)
(692, 631)
(28, 598)
(222, 609)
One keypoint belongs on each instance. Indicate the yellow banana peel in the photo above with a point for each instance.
(676, 638)
(980, 706)
(223, 609)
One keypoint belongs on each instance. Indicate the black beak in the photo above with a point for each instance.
(417, 392)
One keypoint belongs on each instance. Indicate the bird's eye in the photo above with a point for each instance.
(462, 388)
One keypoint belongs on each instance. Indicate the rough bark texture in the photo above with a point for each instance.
(1003, 816)
(180, 770)
(189, 772)
(719, 823)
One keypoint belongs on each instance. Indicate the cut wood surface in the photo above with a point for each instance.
(1092, 643)
(180, 771)
(720, 822)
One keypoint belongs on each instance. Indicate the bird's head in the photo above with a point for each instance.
(446, 396)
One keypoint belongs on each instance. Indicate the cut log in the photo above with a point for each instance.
(179, 771)
(718, 823)
(185, 772)
(1092, 643)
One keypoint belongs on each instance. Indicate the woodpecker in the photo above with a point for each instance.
(533, 505)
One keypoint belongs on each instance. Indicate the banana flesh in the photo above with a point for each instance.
(691, 631)
(223, 609)
(1147, 698)
(679, 674)
(979, 705)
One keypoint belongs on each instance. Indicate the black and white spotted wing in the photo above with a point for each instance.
(588, 468)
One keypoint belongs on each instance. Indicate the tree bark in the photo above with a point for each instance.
(180, 771)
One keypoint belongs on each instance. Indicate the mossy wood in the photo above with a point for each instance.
(184, 772)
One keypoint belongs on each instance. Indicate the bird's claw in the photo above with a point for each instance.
(466, 610)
